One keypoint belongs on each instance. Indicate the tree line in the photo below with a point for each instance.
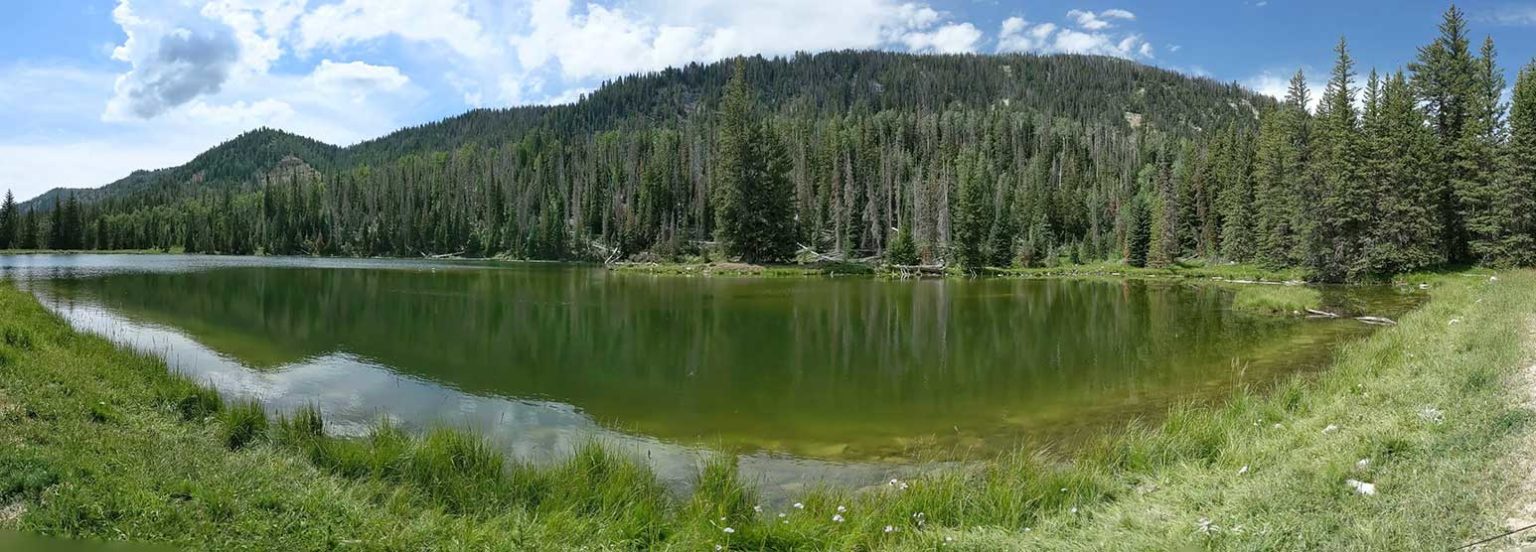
(1405, 170)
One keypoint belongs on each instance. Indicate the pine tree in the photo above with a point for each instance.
(1477, 163)
(1405, 233)
(755, 203)
(1514, 195)
(1279, 165)
(1164, 247)
(29, 237)
(973, 217)
(903, 250)
(1233, 170)
(56, 227)
(1339, 206)
(8, 222)
(1445, 79)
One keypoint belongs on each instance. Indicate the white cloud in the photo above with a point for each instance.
(1515, 16)
(446, 22)
(1099, 21)
(593, 41)
(1019, 35)
(949, 39)
(357, 79)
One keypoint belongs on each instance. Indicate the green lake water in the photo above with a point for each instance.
(805, 378)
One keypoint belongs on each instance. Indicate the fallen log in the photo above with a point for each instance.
(1324, 314)
(1377, 320)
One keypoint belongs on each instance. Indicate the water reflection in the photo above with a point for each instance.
(863, 372)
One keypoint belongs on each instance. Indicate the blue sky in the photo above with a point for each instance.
(93, 89)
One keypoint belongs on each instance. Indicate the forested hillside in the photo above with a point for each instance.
(965, 160)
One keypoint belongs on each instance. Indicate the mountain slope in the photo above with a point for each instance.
(1087, 89)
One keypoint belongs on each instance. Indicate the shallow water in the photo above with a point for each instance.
(838, 380)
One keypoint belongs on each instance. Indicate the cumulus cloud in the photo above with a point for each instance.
(1019, 35)
(357, 78)
(173, 60)
(949, 39)
(593, 41)
(1099, 21)
(446, 22)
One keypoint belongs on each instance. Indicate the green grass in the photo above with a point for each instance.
(101, 443)
(1281, 300)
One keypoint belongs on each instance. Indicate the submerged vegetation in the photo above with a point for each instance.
(105, 443)
(1290, 300)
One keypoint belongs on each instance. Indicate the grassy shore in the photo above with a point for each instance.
(102, 443)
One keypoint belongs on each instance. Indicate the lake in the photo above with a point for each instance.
(808, 380)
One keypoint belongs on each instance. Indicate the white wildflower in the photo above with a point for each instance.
(1363, 464)
(799, 506)
(1243, 471)
(729, 530)
(1367, 489)
(1206, 526)
(1330, 429)
(890, 529)
(783, 515)
(837, 518)
(1493, 278)
(758, 509)
(1454, 321)
(841, 509)
(1074, 509)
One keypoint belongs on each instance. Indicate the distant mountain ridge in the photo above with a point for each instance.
(1093, 90)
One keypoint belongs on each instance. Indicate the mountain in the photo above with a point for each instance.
(1087, 89)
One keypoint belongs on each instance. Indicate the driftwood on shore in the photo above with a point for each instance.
(1377, 320)
(918, 271)
(1321, 314)
(446, 255)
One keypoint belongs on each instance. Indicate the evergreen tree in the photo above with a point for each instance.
(1338, 205)
(8, 222)
(1279, 172)
(903, 250)
(973, 217)
(1164, 247)
(1405, 231)
(755, 207)
(1445, 78)
(57, 229)
(30, 237)
(1477, 164)
(1512, 218)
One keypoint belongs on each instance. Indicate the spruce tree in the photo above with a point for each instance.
(903, 250)
(1164, 247)
(1404, 235)
(8, 222)
(1445, 79)
(1477, 164)
(56, 226)
(754, 202)
(1514, 205)
(1338, 207)
(29, 237)
(973, 217)
(1279, 173)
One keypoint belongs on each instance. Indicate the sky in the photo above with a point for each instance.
(91, 90)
